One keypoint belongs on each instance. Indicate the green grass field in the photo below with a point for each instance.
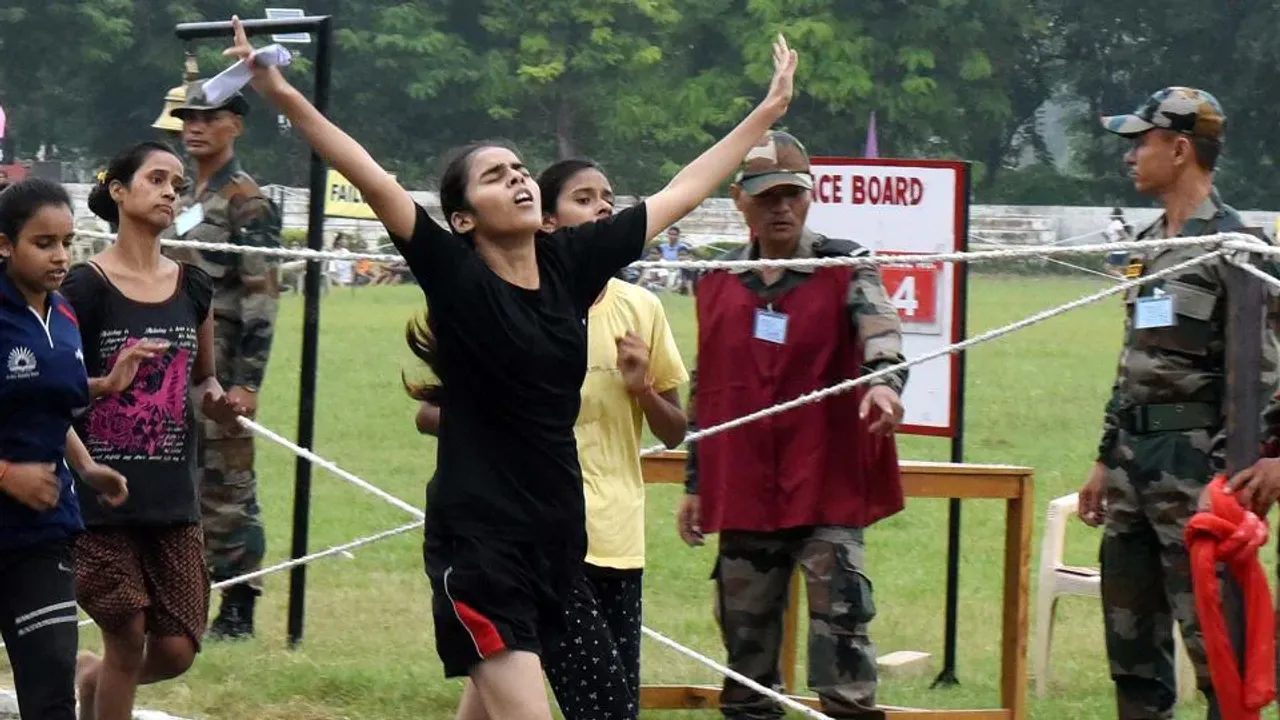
(1035, 399)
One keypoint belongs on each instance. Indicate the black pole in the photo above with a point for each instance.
(1245, 318)
(952, 619)
(322, 27)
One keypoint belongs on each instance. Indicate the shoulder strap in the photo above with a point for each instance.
(836, 247)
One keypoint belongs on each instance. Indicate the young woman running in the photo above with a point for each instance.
(633, 370)
(43, 386)
(506, 530)
(148, 339)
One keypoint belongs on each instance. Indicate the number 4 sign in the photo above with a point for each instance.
(913, 290)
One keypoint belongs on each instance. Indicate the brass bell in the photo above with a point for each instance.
(176, 97)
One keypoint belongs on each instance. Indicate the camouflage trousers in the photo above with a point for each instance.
(753, 579)
(1153, 486)
(235, 541)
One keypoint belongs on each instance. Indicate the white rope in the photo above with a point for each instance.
(345, 548)
(1233, 240)
(789, 702)
(331, 467)
(847, 385)
(1274, 282)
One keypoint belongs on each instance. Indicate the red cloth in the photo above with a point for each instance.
(1232, 535)
(814, 465)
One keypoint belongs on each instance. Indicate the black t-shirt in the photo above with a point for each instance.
(145, 432)
(512, 362)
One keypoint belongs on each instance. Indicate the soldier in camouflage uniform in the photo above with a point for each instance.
(826, 474)
(1163, 433)
(225, 205)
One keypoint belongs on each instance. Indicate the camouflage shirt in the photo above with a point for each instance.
(245, 286)
(873, 317)
(1184, 363)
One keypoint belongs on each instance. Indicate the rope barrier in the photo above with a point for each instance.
(695, 655)
(345, 548)
(847, 385)
(1231, 240)
(331, 467)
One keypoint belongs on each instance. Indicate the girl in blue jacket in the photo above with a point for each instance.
(43, 386)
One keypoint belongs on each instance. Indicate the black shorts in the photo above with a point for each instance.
(491, 595)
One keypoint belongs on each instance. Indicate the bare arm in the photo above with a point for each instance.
(428, 419)
(666, 419)
(704, 175)
(77, 454)
(390, 202)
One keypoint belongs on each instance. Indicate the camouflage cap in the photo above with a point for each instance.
(778, 159)
(1189, 111)
(196, 102)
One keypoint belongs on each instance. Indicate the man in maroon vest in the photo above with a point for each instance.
(798, 487)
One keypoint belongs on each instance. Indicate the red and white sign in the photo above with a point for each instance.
(907, 207)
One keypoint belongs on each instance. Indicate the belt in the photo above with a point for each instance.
(1169, 417)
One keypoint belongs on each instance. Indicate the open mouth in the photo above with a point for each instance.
(57, 275)
(524, 198)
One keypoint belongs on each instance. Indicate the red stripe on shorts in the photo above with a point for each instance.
(486, 636)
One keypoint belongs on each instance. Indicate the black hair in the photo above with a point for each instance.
(121, 168)
(1207, 152)
(21, 201)
(419, 334)
(453, 179)
(552, 180)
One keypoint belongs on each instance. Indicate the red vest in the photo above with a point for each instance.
(814, 465)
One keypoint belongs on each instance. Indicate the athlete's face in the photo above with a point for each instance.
(503, 197)
(37, 259)
(587, 196)
(150, 197)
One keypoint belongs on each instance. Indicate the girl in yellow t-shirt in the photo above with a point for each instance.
(633, 372)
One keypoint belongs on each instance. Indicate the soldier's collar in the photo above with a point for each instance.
(1208, 209)
(804, 249)
(222, 176)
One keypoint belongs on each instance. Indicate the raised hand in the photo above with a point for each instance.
(782, 86)
(265, 79)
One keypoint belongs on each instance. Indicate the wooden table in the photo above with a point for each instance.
(919, 480)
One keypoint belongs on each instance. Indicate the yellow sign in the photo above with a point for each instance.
(343, 200)
(1134, 270)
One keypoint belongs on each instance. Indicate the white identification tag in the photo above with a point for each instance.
(189, 218)
(771, 327)
(1153, 312)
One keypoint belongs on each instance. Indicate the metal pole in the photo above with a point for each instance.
(952, 617)
(323, 29)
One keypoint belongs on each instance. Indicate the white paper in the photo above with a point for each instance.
(233, 79)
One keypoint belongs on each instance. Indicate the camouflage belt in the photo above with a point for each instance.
(1169, 417)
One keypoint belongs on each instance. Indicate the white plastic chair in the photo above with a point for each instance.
(1057, 579)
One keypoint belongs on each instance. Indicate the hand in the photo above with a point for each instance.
(112, 488)
(1257, 488)
(266, 80)
(35, 485)
(889, 405)
(784, 72)
(1093, 504)
(244, 398)
(633, 363)
(130, 359)
(220, 408)
(689, 521)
